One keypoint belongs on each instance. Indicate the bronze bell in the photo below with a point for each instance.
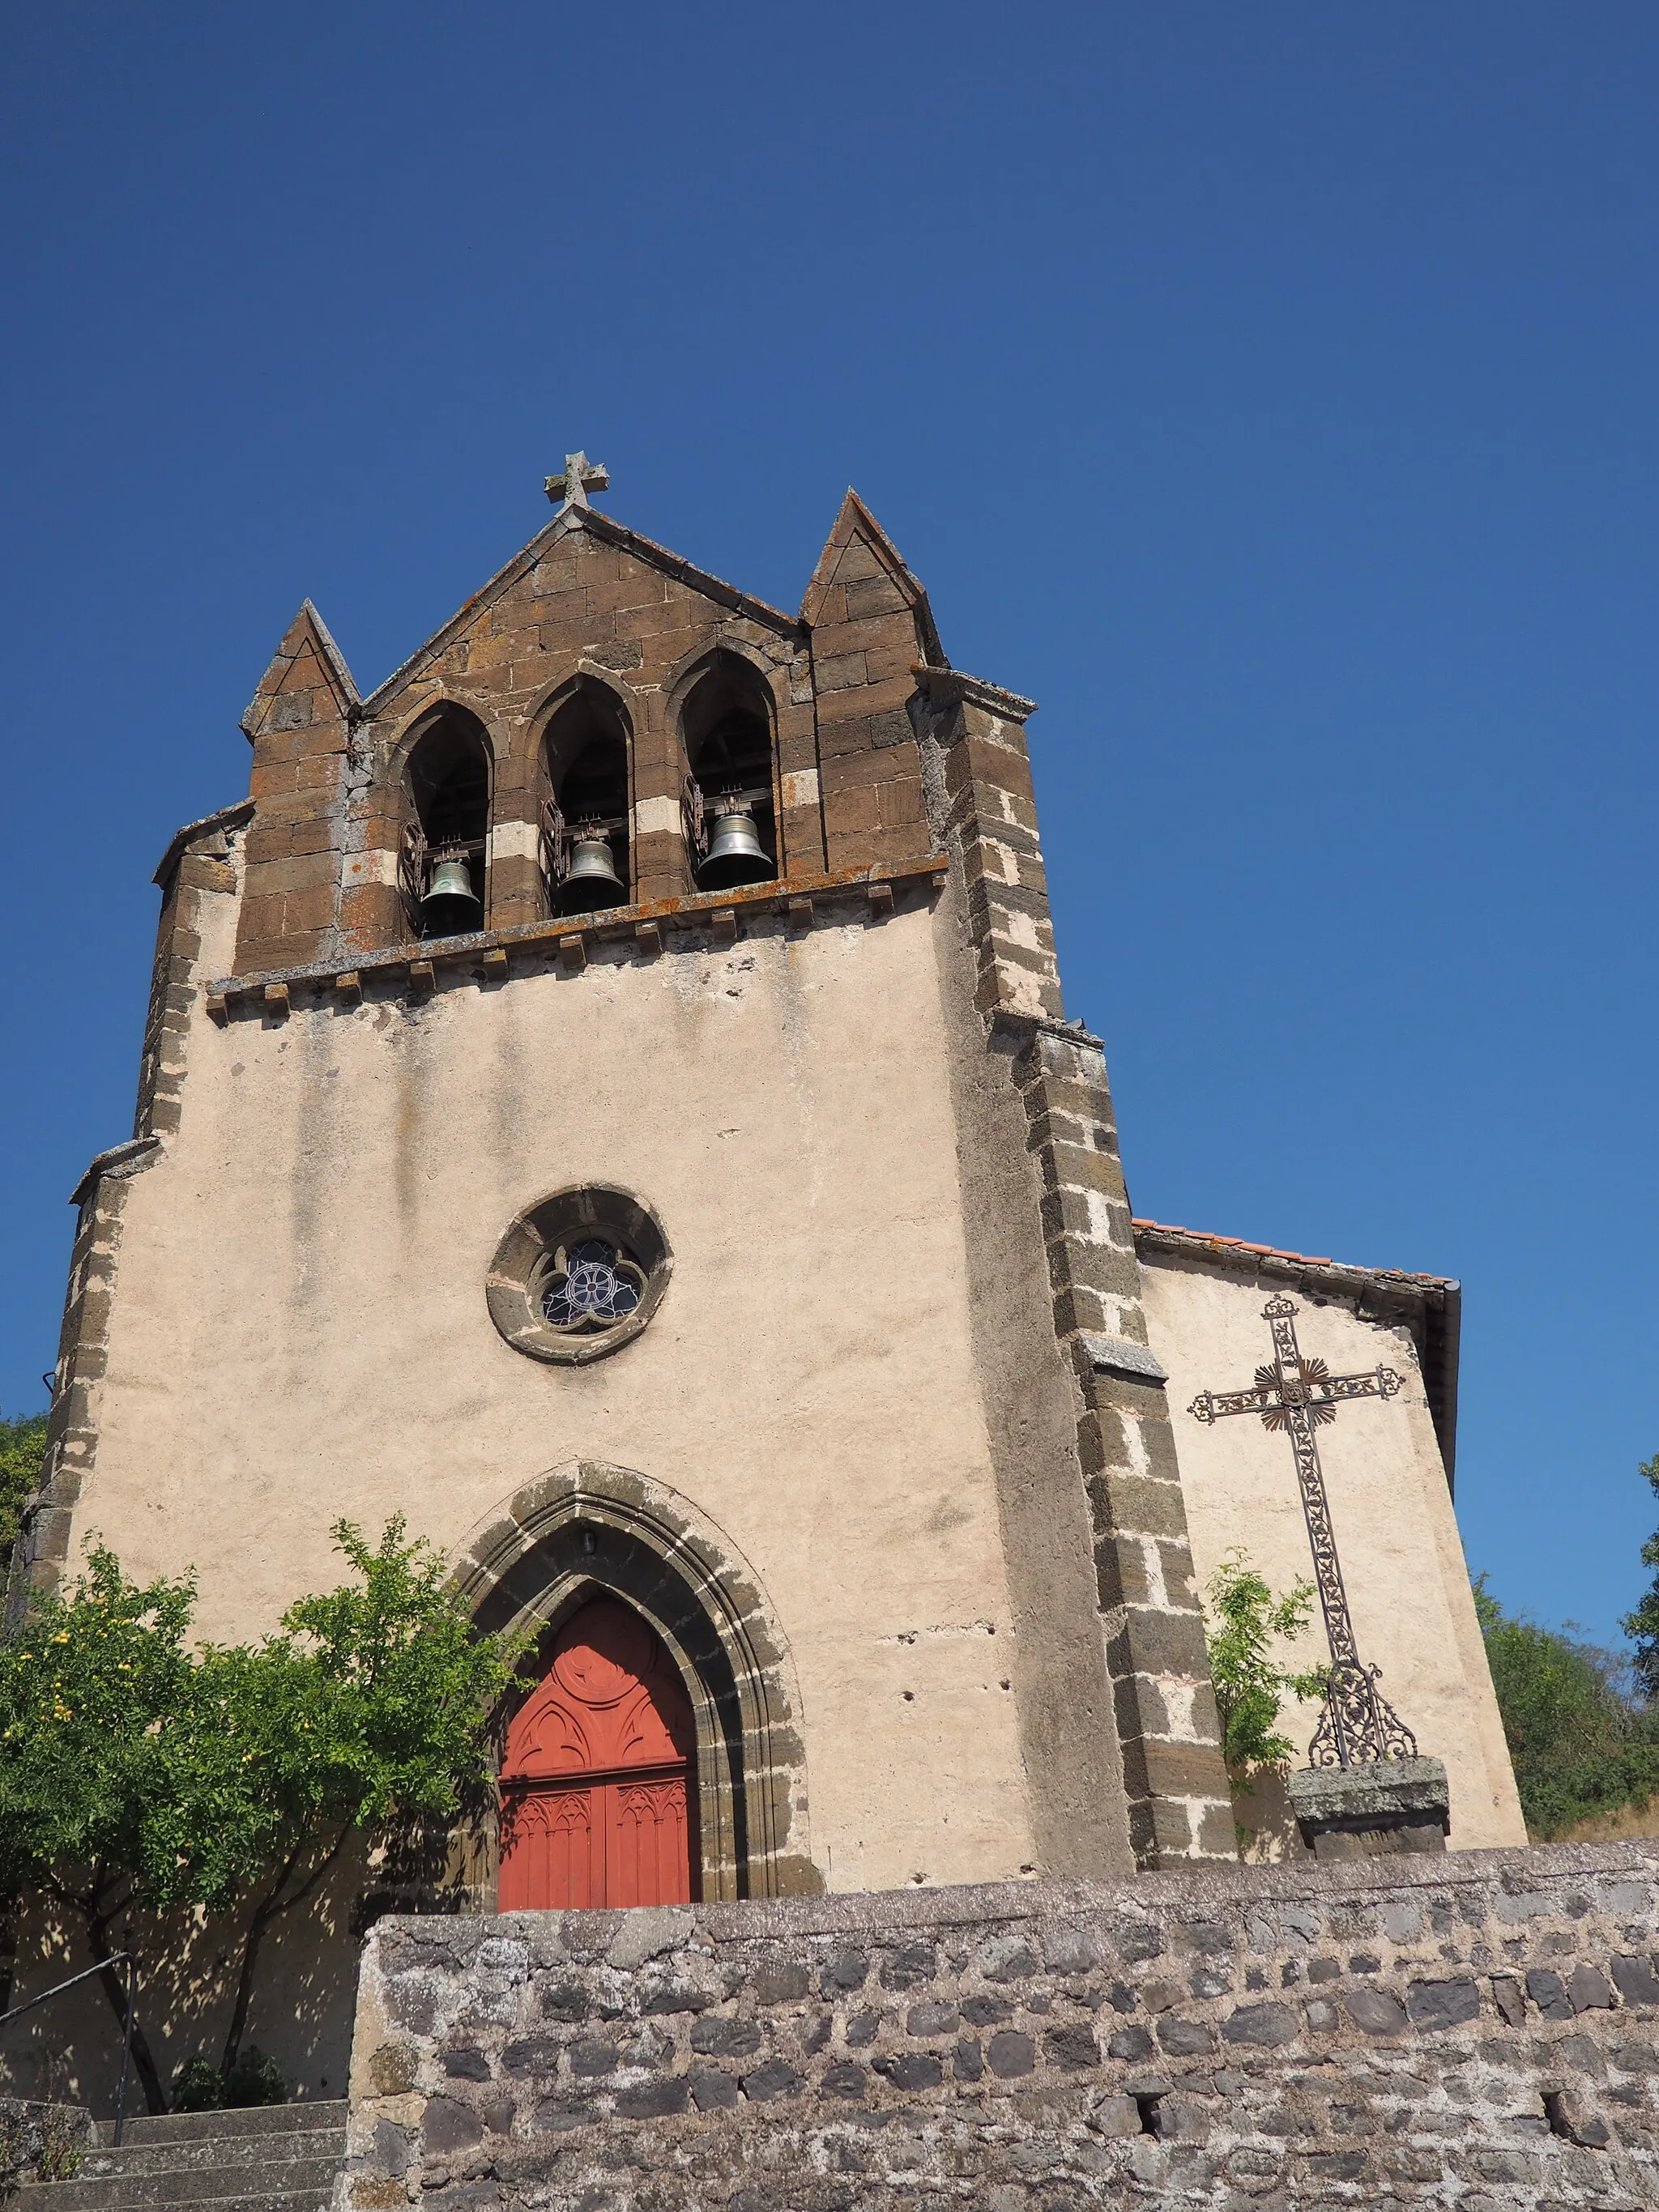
(593, 880)
(735, 852)
(451, 906)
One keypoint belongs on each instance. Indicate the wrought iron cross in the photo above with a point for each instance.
(1299, 1395)
(581, 476)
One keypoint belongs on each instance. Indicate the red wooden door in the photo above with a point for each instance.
(599, 1786)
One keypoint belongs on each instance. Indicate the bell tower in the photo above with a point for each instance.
(607, 1096)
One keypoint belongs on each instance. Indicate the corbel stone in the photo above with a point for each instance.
(122, 1160)
(951, 687)
(1119, 1355)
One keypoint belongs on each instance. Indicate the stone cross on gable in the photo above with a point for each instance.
(581, 476)
(1299, 1395)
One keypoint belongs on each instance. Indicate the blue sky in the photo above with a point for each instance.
(1269, 392)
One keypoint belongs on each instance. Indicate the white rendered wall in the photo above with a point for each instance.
(300, 1329)
(1396, 1535)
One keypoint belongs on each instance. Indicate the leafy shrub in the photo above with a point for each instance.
(1242, 1619)
(1642, 1627)
(1581, 1741)
(22, 1456)
(198, 2086)
(253, 2079)
(59, 2158)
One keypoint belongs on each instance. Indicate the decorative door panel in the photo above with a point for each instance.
(612, 1699)
(647, 1861)
(598, 1786)
(552, 1848)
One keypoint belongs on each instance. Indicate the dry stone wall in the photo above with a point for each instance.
(40, 2142)
(1473, 2031)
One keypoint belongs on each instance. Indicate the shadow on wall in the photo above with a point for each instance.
(70, 2052)
(1268, 1833)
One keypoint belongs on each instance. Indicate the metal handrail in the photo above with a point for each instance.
(113, 1960)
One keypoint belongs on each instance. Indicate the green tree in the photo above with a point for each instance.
(1579, 1742)
(22, 1458)
(371, 1711)
(1242, 1619)
(135, 1772)
(90, 1688)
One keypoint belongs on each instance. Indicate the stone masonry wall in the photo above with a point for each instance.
(1470, 2032)
(196, 875)
(42, 1551)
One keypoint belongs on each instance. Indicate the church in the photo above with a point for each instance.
(607, 1096)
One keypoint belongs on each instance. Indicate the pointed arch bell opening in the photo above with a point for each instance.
(443, 848)
(728, 732)
(633, 1596)
(587, 845)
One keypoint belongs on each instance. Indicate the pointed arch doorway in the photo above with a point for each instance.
(598, 1782)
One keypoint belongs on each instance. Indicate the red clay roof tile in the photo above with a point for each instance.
(1277, 1252)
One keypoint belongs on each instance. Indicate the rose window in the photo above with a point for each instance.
(579, 1274)
(591, 1285)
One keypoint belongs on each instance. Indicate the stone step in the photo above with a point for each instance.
(301, 2117)
(310, 2180)
(153, 2157)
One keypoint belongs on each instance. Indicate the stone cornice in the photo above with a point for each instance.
(228, 818)
(568, 936)
(117, 1159)
(1024, 1026)
(950, 687)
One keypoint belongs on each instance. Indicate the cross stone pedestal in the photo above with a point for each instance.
(1373, 1808)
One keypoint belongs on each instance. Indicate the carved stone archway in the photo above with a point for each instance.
(589, 1528)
